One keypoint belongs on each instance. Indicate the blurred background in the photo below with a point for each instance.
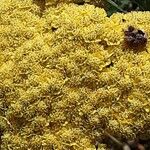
(112, 6)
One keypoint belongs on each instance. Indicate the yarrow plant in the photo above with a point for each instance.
(66, 76)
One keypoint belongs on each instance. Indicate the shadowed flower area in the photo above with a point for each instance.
(68, 76)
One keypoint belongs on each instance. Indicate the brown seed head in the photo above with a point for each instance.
(135, 39)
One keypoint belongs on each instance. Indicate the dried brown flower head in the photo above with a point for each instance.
(135, 38)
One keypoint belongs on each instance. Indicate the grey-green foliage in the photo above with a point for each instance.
(113, 6)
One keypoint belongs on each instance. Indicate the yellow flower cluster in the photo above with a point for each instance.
(66, 77)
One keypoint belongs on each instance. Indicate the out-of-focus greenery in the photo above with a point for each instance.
(113, 6)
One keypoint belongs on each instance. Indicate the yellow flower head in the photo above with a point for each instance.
(66, 76)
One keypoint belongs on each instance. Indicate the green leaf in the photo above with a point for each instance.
(115, 5)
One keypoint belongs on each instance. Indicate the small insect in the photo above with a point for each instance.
(53, 29)
(123, 20)
(135, 39)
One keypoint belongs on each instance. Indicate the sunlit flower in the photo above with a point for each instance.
(66, 77)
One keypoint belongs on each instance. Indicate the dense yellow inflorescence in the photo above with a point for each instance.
(66, 77)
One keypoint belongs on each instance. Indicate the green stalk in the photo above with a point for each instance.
(115, 5)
